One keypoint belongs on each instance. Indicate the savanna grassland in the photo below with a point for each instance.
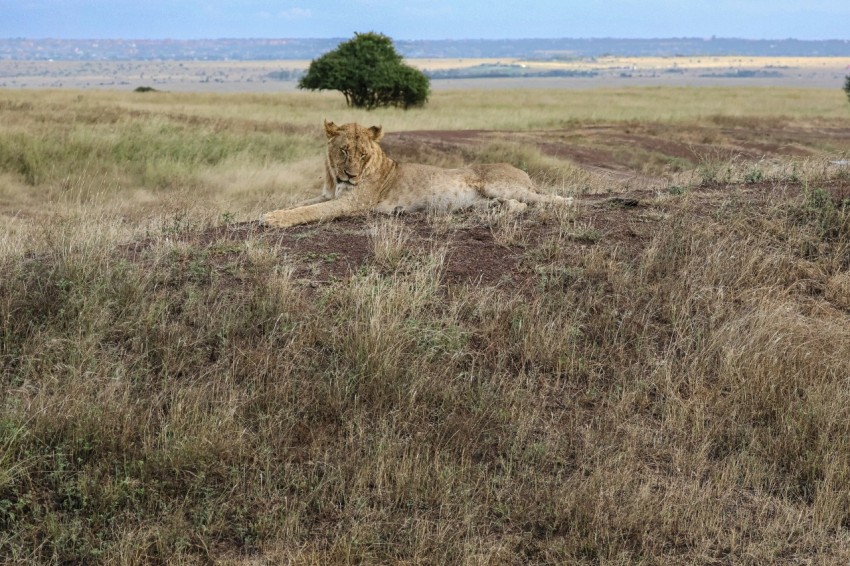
(658, 375)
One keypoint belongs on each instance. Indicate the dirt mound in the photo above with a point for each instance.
(514, 253)
(479, 247)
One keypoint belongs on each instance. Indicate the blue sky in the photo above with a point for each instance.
(425, 19)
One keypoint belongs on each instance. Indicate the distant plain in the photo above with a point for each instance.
(256, 76)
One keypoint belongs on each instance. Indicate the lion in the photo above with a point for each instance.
(360, 177)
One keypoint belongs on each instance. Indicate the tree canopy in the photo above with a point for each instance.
(369, 72)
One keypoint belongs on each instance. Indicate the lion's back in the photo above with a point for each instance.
(503, 173)
(418, 176)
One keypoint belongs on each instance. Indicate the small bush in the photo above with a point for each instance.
(753, 176)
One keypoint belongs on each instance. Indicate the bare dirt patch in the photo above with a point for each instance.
(476, 252)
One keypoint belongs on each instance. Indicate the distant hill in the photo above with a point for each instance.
(273, 49)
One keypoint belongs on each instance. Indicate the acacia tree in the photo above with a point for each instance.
(847, 85)
(369, 72)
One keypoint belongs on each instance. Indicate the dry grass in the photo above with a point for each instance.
(680, 397)
(390, 239)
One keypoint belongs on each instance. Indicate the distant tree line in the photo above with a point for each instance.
(286, 75)
(743, 74)
(499, 71)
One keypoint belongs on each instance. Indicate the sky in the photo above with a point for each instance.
(424, 19)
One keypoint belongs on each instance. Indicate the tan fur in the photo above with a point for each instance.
(360, 177)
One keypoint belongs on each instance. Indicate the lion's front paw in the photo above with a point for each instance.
(277, 219)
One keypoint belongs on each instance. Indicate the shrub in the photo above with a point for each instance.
(369, 72)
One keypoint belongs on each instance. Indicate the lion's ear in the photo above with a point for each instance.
(377, 132)
(331, 129)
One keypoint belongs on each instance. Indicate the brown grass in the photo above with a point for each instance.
(663, 380)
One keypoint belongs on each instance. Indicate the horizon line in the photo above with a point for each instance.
(594, 38)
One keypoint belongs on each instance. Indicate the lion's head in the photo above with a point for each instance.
(353, 153)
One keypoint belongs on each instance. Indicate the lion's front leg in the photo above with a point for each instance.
(314, 200)
(326, 210)
(324, 196)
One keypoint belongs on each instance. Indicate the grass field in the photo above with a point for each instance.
(657, 376)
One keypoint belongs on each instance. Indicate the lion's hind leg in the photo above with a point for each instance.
(513, 206)
(520, 194)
